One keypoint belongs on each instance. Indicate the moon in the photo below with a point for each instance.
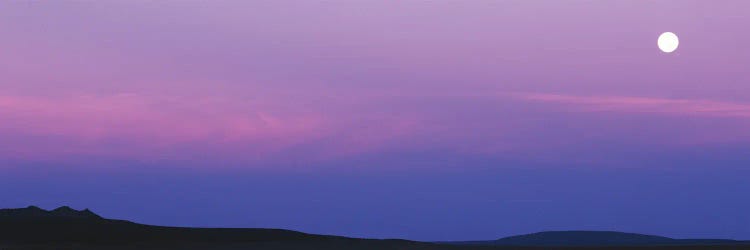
(668, 42)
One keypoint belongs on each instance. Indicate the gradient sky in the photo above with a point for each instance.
(426, 120)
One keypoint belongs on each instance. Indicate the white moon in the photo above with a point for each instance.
(668, 42)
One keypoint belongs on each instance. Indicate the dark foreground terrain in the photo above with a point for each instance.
(66, 228)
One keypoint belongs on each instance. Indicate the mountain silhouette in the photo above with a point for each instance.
(582, 238)
(33, 212)
(67, 228)
(64, 227)
(596, 238)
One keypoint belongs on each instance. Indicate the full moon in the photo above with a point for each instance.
(668, 42)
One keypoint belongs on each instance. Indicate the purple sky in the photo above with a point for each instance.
(427, 120)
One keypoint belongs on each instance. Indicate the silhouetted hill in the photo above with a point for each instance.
(582, 238)
(33, 212)
(67, 228)
(36, 228)
(66, 225)
(595, 238)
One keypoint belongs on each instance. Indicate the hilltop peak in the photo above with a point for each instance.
(64, 209)
(88, 213)
(34, 208)
(36, 212)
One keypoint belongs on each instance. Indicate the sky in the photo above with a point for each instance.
(425, 120)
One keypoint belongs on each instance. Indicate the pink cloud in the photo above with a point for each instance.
(138, 126)
(152, 122)
(274, 129)
(173, 118)
(644, 105)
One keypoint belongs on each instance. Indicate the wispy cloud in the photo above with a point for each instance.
(175, 118)
(267, 130)
(136, 125)
(643, 105)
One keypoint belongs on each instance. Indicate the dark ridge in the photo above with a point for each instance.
(30, 211)
(594, 238)
(88, 213)
(67, 228)
(63, 212)
(583, 238)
